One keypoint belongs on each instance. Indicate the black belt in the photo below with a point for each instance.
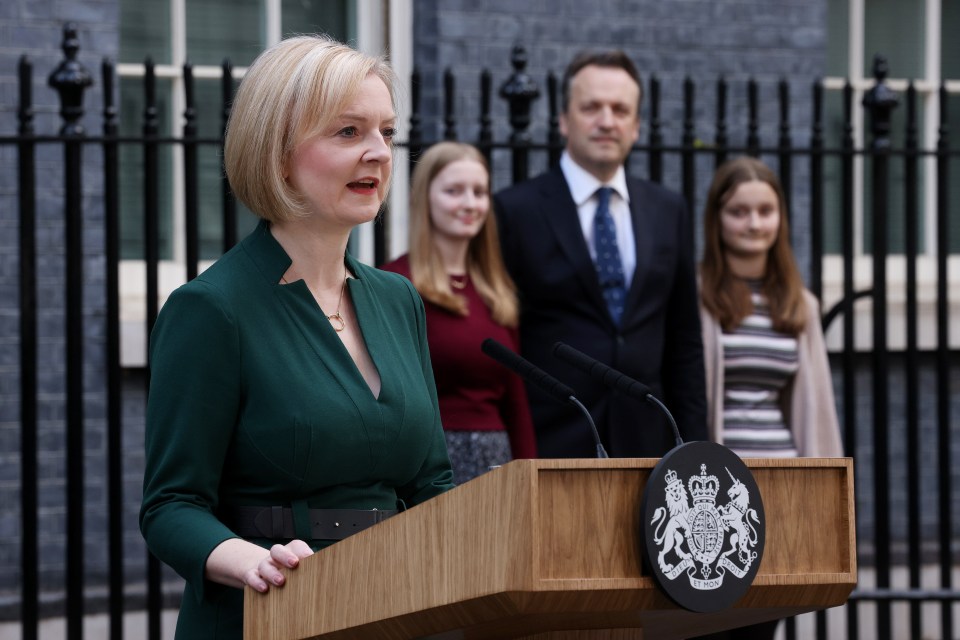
(325, 524)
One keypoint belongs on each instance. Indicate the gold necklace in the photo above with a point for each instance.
(335, 318)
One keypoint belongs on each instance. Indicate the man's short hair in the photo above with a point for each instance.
(613, 58)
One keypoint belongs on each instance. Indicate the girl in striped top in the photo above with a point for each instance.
(769, 392)
(768, 379)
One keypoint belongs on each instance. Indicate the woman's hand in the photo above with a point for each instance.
(238, 563)
(268, 570)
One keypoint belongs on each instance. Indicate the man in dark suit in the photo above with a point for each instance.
(609, 272)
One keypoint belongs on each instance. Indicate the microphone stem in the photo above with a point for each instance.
(601, 452)
(673, 423)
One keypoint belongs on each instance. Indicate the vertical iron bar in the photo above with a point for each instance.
(722, 142)
(849, 362)
(816, 193)
(73, 162)
(821, 623)
(688, 160)
(656, 132)
(816, 207)
(753, 126)
(879, 101)
(785, 161)
(380, 235)
(151, 229)
(191, 188)
(911, 214)
(784, 148)
(27, 185)
(229, 202)
(380, 224)
(485, 139)
(111, 214)
(554, 139)
(449, 108)
(944, 462)
(70, 79)
(416, 121)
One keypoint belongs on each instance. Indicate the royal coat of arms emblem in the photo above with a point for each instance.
(708, 530)
(703, 529)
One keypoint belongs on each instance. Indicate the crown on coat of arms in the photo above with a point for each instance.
(671, 478)
(704, 488)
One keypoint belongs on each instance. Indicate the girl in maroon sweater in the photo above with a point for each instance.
(455, 264)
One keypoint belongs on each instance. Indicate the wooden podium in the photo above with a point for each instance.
(551, 550)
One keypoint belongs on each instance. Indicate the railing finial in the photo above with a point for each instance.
(70, 79)
(519, 91)
(880, 101)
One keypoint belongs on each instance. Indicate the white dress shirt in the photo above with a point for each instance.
(583, 188)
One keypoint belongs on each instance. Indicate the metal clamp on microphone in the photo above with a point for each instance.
(543, 380)
(614, 379)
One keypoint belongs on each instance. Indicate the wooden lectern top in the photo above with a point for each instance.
(551, 549)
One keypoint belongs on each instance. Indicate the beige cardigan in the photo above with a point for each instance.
(807, 403)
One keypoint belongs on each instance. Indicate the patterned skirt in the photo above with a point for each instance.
(474, 452)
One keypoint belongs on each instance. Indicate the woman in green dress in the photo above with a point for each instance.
(291, 385)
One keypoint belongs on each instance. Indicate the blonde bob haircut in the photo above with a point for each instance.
(726, 296)
(292, 90)
(485, 265)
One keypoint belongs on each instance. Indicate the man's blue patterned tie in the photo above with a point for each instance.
(609, 266)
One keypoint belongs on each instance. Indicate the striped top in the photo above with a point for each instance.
(759, 365)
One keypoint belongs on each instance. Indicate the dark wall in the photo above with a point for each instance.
(751, 39)
(673, 39)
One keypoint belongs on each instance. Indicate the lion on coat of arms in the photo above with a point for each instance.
(674, 534)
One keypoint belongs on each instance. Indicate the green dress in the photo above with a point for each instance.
(254, 400)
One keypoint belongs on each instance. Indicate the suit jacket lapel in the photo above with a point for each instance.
(561, 213)
(645, 231)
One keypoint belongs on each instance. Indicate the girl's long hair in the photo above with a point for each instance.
(726, 296)
(485, 266)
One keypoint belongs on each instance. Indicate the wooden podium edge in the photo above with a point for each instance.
(522, 598)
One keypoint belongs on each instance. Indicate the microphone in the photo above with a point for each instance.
(613, 379)
(543, 380)
(599, 371)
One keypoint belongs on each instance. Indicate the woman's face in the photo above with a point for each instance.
(343, 171)
(750, 219)
(460, 200)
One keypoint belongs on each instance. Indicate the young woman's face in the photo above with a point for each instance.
(460, 200)
(343, 172)
(750, 219)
